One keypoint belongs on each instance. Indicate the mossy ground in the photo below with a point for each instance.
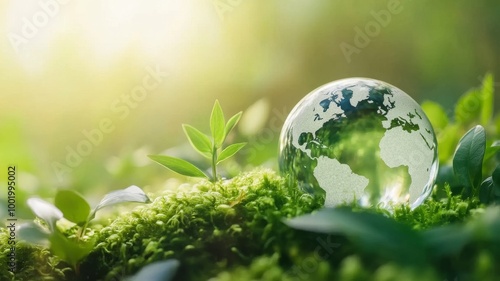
(233, 230)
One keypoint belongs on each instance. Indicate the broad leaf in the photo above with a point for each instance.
(198, 140)
(487, 99)
(468, 159)
(230, 151)
(129, 194)
(179, 166)
(45, 211)
(232, 123)
(436, 113)
(33, 233)
(371, 232)
(157, 271)
(217, 124)
(73, 206)
(71, 251)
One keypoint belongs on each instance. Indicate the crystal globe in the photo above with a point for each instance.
(361, 140)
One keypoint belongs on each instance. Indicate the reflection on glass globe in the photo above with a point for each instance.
(360, 139)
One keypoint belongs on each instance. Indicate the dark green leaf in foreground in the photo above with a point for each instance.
(372, 233)
(468, 159)
(46, 211)
(129, 194)
(73, 206)
(198, 140)
(179, 166)
(157, 271)
(230, 151)
(217, 124)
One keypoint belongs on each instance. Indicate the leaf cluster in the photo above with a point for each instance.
(65, 222)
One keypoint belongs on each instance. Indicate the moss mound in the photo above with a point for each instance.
(207, 227)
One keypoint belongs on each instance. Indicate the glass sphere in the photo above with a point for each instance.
(361, 140)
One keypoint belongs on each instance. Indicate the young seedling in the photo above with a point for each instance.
(73, 207)
(208, 147)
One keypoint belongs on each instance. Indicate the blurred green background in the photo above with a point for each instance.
(144, 68)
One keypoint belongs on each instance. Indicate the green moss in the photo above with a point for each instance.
(32, 262)
(438, 211)
(234, 231)
(207, 227)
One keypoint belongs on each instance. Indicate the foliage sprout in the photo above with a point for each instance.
(209, 147)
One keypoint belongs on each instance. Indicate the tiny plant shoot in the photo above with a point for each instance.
(70, 205)
(209, 147)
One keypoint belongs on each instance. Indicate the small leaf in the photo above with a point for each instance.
(73, 206)
(468, 159)
(71, 251)
(157, 271)
(129, 194)
(230, 151)
(179, 166)
(198, 140)
(371, 232)
(217, 124)
(33, 233)
(487, 99)
(436, 113)
(232, 123)
(45, 211)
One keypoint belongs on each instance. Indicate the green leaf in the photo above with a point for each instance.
(71, 251)
(370, 232)
(468, 108)
(436, 113)
(129, 194)
(232, 123)
(157, 271)
(198, 140)
(179, 166)
(468, 159)
(217, 124)
(33, 233)
(45, 211)
(487, 99)
(496, 180)
(73, 206)
(230, 151)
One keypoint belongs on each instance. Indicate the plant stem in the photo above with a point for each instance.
(214, 164)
